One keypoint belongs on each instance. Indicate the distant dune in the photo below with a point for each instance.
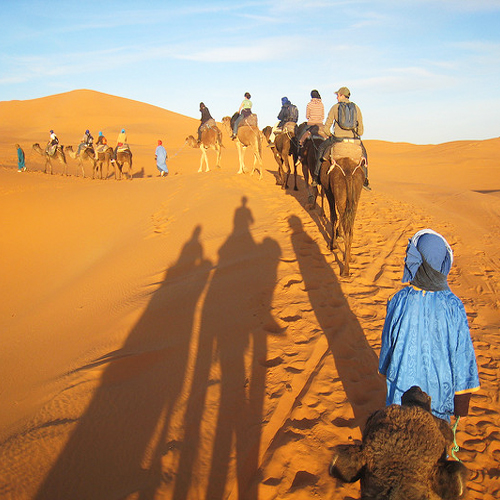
(191, 337)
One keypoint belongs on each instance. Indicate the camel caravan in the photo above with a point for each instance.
(98, 156)
(333, 163)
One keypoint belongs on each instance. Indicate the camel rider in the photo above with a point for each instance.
(244, 111)
(52, 144)
(87, 142)
(100, 145)
(315, 114)
(121, 141)
(288, 113)
(342, 131)
(205, 116)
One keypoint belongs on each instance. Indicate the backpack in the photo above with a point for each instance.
(293, 113)
(348, 117)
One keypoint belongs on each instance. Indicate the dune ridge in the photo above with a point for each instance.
(190, 337)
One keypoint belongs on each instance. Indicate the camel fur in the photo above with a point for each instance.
(342, 182)
(211, 138)
(58, 154)
(86, 155)
(403, 455)
(284, 146)
(123, 157)
(248, 136)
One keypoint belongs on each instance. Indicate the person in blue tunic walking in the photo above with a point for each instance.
(21, 165)
(161, 159)
(426, 339)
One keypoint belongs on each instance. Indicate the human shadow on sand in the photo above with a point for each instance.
(111, 452)
(232, 347)
(355, 360)
(178, 411)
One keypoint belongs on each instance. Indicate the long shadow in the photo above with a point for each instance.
(235, 319)
(355, 360)
(104, 457)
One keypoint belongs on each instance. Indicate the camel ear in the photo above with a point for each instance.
(348, 462)
(450, 480)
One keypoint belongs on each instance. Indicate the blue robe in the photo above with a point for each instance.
(426, 342)
(20, 159)
(161, 159)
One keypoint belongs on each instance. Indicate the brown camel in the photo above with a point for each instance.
(86, 155)
(122, 158)
(211, 138)
(403, 454)
(58, 154)
(284, 146)
(342, 180)
(248, 136)
(104, 156)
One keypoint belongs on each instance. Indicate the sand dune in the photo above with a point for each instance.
(190, 337)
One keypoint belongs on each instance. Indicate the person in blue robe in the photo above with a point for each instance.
(426, 339)
(161, 159)
(21, 165)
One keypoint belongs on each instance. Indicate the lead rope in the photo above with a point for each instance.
(455, 446)
(178, 151)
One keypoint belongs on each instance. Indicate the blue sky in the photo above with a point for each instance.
(421, 71)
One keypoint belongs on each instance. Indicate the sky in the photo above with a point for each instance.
(421, 71)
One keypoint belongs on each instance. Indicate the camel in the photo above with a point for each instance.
(342, 180)
(211, 138)
(58, 154)
(122, 158)
(403, 454)
(104, 157)
(284, 146)
(248, 136)
(86, 155)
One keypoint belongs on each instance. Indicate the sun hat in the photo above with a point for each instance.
(344, 91)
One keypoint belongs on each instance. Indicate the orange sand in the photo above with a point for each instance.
(190, 337)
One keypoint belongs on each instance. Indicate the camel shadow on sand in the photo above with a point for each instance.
(355, 360)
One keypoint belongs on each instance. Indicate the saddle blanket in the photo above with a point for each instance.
(122, 148)
(288, 127)
(249, 121)
(348, 148)
(102, 148)
(51, 149)
(208, 124)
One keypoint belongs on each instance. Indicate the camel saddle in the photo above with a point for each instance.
(51, 149)
(208, 124)
(249, 121)
(289, 128)
(102, 148)
(122, 148)
(347, 148)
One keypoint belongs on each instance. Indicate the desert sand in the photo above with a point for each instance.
(190, 337)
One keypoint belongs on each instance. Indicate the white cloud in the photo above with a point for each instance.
(258, 50)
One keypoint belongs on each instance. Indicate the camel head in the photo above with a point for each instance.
(226, 122)
(72, 153)
(266, 132)
(192, 142)
(38, 149)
